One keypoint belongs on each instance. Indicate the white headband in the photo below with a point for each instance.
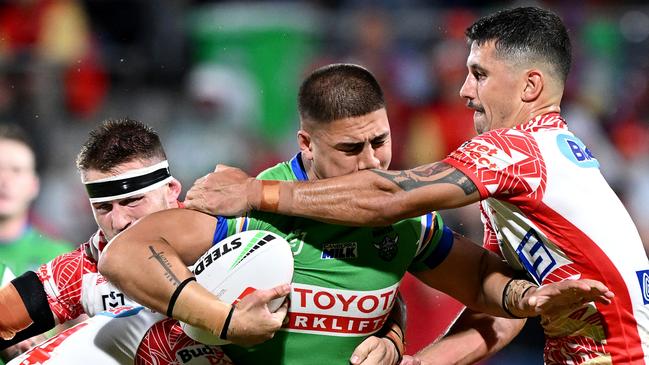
(130, 183)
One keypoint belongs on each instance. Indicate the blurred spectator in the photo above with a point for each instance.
(368, 37)
(272, 43)
(22, 246)
(215, 125)
(441, 125)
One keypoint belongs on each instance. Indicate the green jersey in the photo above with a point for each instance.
(5, 277)
(345, 279)
(32, 249)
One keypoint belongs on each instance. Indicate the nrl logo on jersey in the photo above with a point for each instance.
(385, 240)
(112, 300)
(341, 251)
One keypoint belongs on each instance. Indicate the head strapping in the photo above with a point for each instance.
(130, 183)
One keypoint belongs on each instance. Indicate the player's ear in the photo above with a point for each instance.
(173, 191)
(304, 142)
(533, 85)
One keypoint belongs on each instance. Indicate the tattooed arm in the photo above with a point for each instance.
(371, 197)
(148, 261)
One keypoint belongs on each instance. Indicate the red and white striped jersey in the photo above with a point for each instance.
(548, 210)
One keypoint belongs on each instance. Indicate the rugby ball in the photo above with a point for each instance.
(237, 266)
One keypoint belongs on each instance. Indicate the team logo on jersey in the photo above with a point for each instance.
(643, 279)
(295, 240)
(385, 240)
(535, 256)
(112, 300)
(575, 151)
(341, 251)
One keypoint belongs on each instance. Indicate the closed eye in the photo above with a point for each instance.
(380, 140)
(130, 201)
(350, 148)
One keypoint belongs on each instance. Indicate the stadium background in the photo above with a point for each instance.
(218, 80)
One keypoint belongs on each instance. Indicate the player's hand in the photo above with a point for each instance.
(555, 298)
(252, 322)
(222, 192)
(375, 350)
(410, 360)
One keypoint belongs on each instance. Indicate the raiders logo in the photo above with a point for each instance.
(387, 247)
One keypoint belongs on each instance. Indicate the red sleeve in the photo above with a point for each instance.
(62, 279)
(503, 163)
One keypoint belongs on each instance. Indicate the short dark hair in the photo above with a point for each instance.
(534, 32)
(15, 133)
(339, 91)
(115, 142)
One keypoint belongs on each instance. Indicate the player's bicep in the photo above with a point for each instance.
(434, 186)
(190, 233)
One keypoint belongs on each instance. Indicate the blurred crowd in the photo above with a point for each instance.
(218, 80)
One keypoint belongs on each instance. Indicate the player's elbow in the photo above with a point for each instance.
(109, 262)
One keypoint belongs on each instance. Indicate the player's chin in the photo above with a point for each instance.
(480, 122)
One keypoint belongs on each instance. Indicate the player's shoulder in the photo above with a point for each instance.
(281, 171)
(415, 225)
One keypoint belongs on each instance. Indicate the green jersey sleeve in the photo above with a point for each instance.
(434, 244)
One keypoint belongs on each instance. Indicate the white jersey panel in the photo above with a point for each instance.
(109, 338)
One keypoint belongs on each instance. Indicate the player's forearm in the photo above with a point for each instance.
(359, 199)
(502, 295)
(14, 316)
(24, 310)
(473, 337)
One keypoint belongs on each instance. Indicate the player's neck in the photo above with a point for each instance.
(11, 228)
(308, 167)
(531, 111)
